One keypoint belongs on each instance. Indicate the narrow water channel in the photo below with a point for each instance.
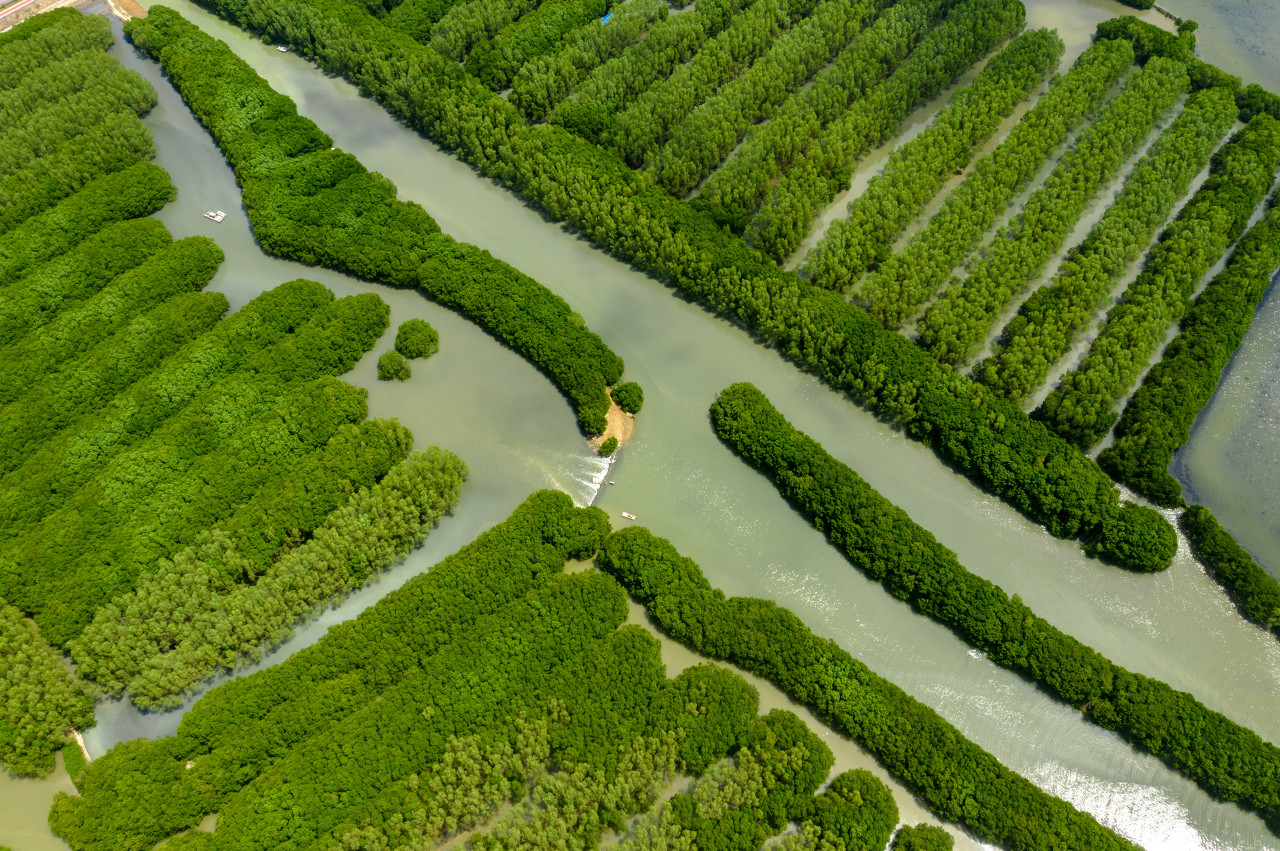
(517, 434)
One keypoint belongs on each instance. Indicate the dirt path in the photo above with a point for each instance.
(620, 425)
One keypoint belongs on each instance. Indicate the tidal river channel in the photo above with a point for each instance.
(518, 434)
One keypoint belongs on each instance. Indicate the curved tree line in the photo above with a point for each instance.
(958, 322)
(1242, 171)
(1226, 759)
(971, 30)
(909, 278)
(917, 170)
(1255, 592)
(1053, 317)
(714, 128)
(321, 206)
(732, 194)
(1158, 418)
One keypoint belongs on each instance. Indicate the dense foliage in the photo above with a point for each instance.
(45, 39)
(916, 170)
(415, 18)
(61, 393)
(467, 24)
(189, 617)
(971, 30)
(492, 678)
(1227, 760)
(496, 61)
(392, 366)
(547, 80)
(228, 457)
(629, 396)
(106, 91)
(922, 837)
(415, 338)
(958, 323)
(1080, 408)
(320, 206)
(118, 142)
(646, 124)
(987, 439)
(718, 123)
(39, 699)
(732, 194)
(907, 279)
(592, 111)
(1158, 418)
(954, 777)
(65, 124)
(1056, 314)
(1255, 592)
(131, 193)
(35, 299)
(181, 268)
(285, 333)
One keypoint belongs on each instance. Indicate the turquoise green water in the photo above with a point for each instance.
(518, 434)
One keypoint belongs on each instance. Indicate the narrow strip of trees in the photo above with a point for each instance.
(131, 193)
(1226, 759)
(972, 30)
(1255, 592)
(496, 61)
(317, 205)
(958, 323)
(1081, 407)
(907, 279)
(1055, 315)
(733, 193)
(916, 171)
(989, 440)
(1158, 418)
(714, 128)
(190, 618)
(954, 777)
(592, 111)
(646, 124)
(545, 81)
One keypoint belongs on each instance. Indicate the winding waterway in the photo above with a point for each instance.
(518, 434)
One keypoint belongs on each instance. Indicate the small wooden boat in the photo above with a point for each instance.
(628, 515)
(282, 48)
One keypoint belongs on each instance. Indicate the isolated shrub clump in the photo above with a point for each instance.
(609, 446)
(629, 396)
(417, 339)
(922, 837)
(392, 365)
